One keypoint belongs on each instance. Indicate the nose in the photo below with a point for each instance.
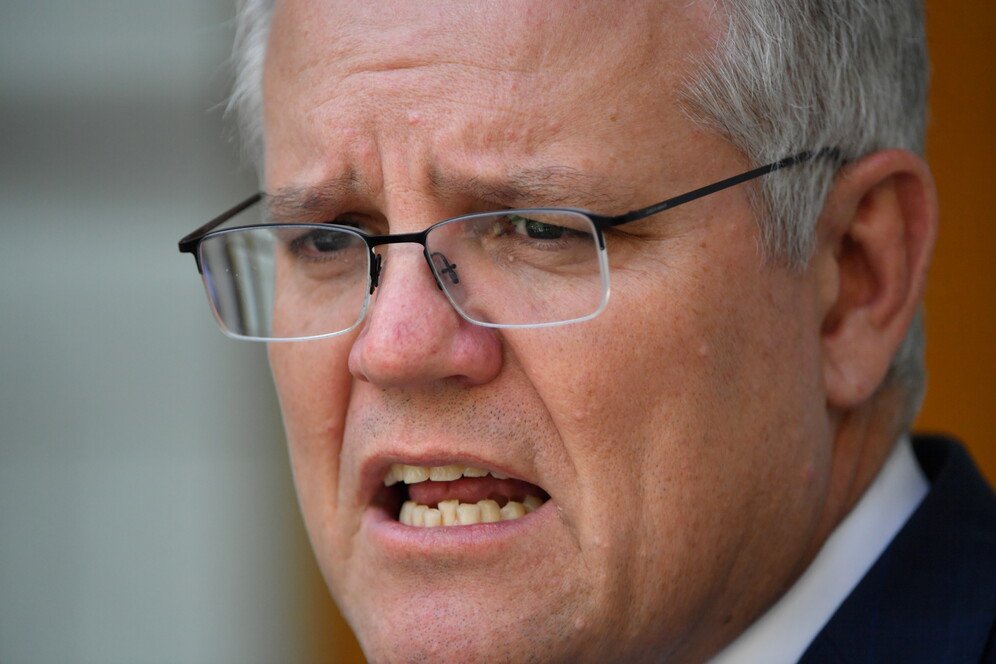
(413, 336)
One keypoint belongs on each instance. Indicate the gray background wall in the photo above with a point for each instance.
(146, 512)
(146, 509)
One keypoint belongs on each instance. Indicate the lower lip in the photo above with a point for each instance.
(397, 539)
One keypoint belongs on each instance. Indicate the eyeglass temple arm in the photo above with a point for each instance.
(188, 245)
(634, 215)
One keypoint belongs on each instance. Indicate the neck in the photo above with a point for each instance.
(863, 440)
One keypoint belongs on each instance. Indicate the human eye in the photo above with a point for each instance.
(319, 252)
(549, 240)
(546, 228)
(322, 243)
(536, 229)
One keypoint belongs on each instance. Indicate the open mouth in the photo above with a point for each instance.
(457, 495)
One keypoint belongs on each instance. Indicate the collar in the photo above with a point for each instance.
(782, 634)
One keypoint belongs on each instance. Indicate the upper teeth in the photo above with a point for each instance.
(399, 472)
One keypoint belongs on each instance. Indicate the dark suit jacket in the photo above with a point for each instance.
(931, 597)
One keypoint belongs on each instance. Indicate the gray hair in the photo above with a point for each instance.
(811, 74)
(252, 26)
(786, 76)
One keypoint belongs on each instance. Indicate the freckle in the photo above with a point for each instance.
(613, 118)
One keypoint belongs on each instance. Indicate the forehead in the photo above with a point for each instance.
(523, 36)
(482, 78)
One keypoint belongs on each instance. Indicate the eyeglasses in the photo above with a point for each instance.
(533, 267)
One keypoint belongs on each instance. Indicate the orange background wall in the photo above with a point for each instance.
(961, 298)
(961, 295)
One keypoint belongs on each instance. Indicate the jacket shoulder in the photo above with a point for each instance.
(931, 596)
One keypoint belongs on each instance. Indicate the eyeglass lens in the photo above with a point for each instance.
(518, 268)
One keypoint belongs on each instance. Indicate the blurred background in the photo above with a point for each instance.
(146, 506)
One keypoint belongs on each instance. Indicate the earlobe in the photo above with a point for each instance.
(876, 235)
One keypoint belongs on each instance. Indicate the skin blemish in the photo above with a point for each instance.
(413, 118)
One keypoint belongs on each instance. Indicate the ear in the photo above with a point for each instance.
(875, 238)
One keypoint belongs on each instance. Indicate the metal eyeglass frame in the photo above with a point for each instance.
(191, 242)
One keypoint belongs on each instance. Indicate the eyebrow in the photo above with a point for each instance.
(548, 186)
(297, 201)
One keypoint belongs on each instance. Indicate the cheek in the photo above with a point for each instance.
(724, 340)
(313, 385)
(681, 391)
(728, 409)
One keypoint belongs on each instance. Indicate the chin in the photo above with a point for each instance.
(462, 617)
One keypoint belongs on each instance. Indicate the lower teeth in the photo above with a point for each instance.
(455, 513)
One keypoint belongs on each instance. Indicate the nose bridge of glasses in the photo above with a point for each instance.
(376, 262)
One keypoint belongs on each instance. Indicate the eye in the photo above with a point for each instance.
(537, 230)
(322, 242)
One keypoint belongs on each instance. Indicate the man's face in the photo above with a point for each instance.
(681, 437)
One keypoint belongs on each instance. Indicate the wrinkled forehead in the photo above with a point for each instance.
(520, 32)
(627, 45)
(484, 82)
